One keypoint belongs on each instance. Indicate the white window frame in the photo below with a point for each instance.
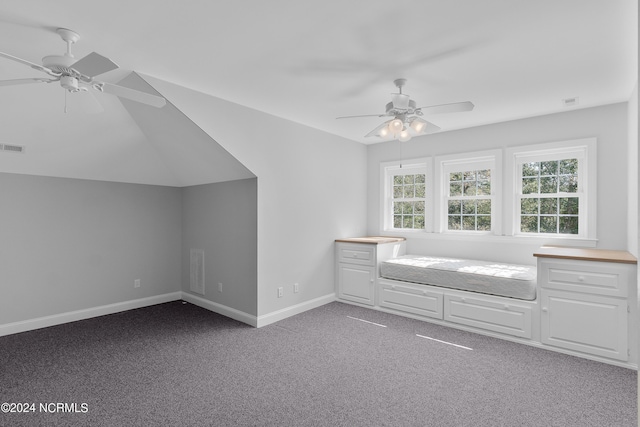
(582, 149)
(387, 172)
(490, 159)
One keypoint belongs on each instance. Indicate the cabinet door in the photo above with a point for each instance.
(590, 324)
(355, 283)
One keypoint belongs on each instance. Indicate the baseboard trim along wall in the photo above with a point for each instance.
(232, 313)
(255, 321)
(276, 316)
(72, 316)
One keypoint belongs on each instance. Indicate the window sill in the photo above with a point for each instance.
(492, 238)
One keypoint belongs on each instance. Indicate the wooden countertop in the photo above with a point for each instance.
(586, 254)
(372, 240)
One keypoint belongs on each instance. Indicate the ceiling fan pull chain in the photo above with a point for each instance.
(65, 102)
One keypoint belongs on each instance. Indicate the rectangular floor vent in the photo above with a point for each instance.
(11, 148)
(197, 271)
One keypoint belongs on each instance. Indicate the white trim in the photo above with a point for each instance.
(224, 310)
(585, 150)
(87, 313)
(490, 238)
(422, 164)
(278, 315)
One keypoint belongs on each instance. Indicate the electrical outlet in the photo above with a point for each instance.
(280, 292)
(219, 287)
(136, 283)
(296, 288)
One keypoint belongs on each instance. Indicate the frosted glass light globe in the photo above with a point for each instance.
(396, 125)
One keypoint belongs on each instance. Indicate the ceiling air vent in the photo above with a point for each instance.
(569, 102)
(10, 148)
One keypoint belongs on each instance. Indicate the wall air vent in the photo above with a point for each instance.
(11, 148)
(196, 282)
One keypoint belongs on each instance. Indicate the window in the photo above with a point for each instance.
(408, 200)
(549, 199)
(406, 191)
(555, 189)
(546, 191)
(469, 186)
(469, 200)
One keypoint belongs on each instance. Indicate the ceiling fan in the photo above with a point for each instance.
(406, 121)
(75, 76)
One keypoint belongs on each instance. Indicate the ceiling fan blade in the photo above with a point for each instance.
(456, 107)
(132, 94)
(94, 64)
(366, 115)
(376, 131)
(25, 81)
(30, 64)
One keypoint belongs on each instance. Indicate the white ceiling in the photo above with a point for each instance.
(311, 62)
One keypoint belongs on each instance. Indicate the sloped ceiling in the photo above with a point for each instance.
(307, 62)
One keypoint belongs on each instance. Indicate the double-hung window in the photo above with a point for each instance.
(469, 189)
(406, 196)
(555, 190)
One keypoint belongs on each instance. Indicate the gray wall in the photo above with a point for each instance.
(312, 190)
(221, 219)
(606, 123)
(68, 244)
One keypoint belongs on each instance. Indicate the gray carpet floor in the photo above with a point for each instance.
(176, 364)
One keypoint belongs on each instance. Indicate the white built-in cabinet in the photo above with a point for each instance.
(357, 261)
(585, 302)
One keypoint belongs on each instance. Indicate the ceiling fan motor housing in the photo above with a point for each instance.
(393, 110)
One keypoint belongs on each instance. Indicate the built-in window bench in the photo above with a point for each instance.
(582, 301)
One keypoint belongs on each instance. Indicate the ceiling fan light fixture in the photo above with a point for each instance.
(384, 132)
(404, 135)
(396, 126)
(69, 83)
(418, 126)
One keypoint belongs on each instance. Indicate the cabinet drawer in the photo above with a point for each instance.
(356, 254)
(410, 299)
(588, 323)
(506, 318)
(599, 278)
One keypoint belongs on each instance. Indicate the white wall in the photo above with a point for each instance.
(69, 244)
(221, 219)
(633, 162)
(311, 190)
(608, 124)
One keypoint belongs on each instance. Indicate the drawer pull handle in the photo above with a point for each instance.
(462, 300)
(506, 307)
(580, 278)
(544, 309)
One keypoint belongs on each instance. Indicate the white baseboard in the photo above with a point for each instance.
(238, 315)
(255, 321)
(276, 316)
(72, 316)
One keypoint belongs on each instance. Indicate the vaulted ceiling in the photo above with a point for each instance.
(308, 62)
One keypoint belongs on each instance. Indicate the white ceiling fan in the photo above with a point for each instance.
(75, 76)
(406, 121)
